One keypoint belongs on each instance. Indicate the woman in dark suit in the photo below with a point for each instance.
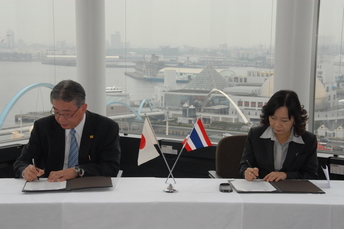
(280, 148)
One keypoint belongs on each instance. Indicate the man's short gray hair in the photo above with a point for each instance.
(67, 91)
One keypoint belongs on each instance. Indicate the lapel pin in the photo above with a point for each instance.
(91, 136)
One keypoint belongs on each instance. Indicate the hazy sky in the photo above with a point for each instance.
(146, 22)
(150, 23)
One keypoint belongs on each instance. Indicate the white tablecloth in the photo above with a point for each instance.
(141, 203)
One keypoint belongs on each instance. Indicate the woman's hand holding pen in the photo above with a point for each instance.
(31, 173)
(251, 174)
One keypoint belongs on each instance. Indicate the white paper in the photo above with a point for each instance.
(256, 185)
(44, 185)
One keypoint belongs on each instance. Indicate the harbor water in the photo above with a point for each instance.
(17, 75)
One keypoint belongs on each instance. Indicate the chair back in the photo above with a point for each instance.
(228, 155)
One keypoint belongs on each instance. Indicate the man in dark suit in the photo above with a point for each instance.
(50, 150)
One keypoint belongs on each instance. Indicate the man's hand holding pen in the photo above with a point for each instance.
(32, 173)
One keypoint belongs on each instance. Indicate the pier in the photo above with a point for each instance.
(135, 75)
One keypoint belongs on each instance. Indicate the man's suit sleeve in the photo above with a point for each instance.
(26, 154)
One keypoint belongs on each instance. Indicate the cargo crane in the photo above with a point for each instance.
(3, 38)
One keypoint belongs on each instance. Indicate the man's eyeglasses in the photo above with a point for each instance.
(66, 116)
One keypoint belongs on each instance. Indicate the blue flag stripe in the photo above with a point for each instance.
(196, 139)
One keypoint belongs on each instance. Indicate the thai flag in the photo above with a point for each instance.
(198, 138)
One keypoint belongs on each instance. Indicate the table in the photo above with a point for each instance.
(141, 203)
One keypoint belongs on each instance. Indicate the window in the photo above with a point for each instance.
(330, 72)
(145, 37)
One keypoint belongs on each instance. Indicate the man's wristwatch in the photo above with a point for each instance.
(79, 171)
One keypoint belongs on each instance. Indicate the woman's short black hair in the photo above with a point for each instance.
(290, 100)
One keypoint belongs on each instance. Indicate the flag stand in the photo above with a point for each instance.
(171, 170)
(197, 138)
(170, 189)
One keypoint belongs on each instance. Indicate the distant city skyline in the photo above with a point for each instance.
(154, 23)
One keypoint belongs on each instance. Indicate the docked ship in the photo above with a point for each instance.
(115, 91)
(116, 94)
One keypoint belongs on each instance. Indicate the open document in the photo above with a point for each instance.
(77, 183)
(243, 186)
(284, 186)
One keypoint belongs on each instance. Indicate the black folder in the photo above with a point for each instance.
(74, 184)
(297, 186)
(284, 186)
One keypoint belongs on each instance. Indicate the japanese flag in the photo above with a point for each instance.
(148, 143)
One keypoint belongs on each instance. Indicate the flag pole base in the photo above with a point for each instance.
(170, 189)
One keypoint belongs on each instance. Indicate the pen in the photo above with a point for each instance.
(249, 164)
(33, 163)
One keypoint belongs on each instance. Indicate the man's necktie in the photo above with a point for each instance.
(74, 150)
